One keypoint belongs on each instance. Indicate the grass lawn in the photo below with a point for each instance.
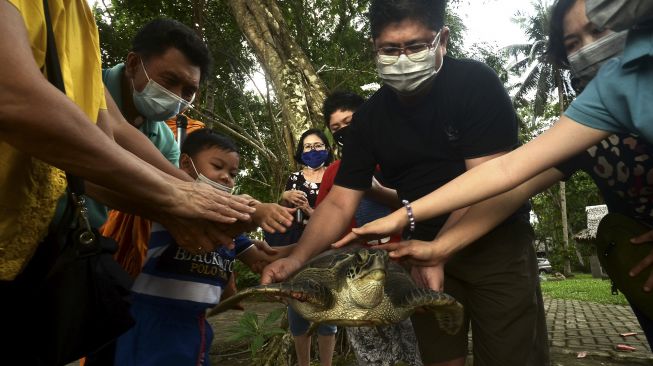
(582, 287)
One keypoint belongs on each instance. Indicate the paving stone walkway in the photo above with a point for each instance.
(578, 326)
(574, 327)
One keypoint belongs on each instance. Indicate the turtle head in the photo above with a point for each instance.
(366, 276)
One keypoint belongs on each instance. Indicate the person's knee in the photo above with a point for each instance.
(327, 330)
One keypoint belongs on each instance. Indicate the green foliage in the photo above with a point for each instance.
(581, 192)
(584, 288)
(244, 276)
(256, 332)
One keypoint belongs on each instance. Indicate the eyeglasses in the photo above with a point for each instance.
(314, 146)
(415, 52)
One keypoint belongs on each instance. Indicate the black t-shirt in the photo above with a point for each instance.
(466, 114)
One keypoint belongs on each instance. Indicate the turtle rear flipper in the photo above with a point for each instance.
(448, 312)
(309, 291)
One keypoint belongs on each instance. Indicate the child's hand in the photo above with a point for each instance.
(272, 217)
(264, 247)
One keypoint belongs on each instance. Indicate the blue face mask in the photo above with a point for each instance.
(157, 103)
(315, 159)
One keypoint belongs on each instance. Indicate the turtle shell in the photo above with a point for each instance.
(355, 286)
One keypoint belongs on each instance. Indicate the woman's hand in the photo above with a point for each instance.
(417, 252)
(294, 198)
(377, 229)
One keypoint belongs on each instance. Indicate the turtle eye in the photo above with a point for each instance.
(362, 255)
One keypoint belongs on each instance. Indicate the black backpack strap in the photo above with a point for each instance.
(53, 70)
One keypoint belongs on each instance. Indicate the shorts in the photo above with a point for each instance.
(165, 335)
(299, 326)
(496, 280)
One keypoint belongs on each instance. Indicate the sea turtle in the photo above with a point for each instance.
(354, 286)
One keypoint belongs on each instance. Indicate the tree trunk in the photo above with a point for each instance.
(563, 195)
(298, 89)
(565, 228)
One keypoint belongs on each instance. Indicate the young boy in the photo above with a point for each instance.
(176, 286)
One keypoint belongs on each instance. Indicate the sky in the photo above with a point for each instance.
(490, 21)
(486, 20)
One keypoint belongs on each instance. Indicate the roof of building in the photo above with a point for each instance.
(594, 216)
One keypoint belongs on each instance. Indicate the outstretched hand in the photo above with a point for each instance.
(280, 270)
(377, 229)
(272, 217)
(194, 200)
(264, 247)
(415, 252)
(646, 262)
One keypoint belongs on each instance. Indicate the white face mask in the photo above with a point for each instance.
(406, 76)
(203, 179)
(586, 62)
(157, 103)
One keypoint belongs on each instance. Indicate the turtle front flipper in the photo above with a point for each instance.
(448, 312)
(308, 291)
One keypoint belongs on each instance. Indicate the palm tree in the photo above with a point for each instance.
(541, 80)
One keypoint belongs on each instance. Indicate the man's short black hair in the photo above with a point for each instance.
(300, 145)
(556, 50)
(428, 12)
(340, 100)
(157, 36)
(205, 138)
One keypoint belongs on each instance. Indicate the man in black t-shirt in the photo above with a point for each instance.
(434, 118)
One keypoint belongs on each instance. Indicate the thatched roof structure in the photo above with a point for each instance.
(594, 216)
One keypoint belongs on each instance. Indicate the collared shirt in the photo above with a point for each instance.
(157, 131)
(171, 275)
(30, 188)
(620, 98)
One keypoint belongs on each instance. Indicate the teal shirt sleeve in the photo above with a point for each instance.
(620, 98)
(595, 107)
(163, 139)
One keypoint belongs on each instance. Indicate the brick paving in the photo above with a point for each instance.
(578, 326)
(574, 326)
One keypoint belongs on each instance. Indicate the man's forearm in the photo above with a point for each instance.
(57, 132)
(40, 121)
(120, 202)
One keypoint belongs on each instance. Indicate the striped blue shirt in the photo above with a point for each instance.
(173, 276)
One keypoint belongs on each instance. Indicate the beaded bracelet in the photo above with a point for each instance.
(411, 217)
